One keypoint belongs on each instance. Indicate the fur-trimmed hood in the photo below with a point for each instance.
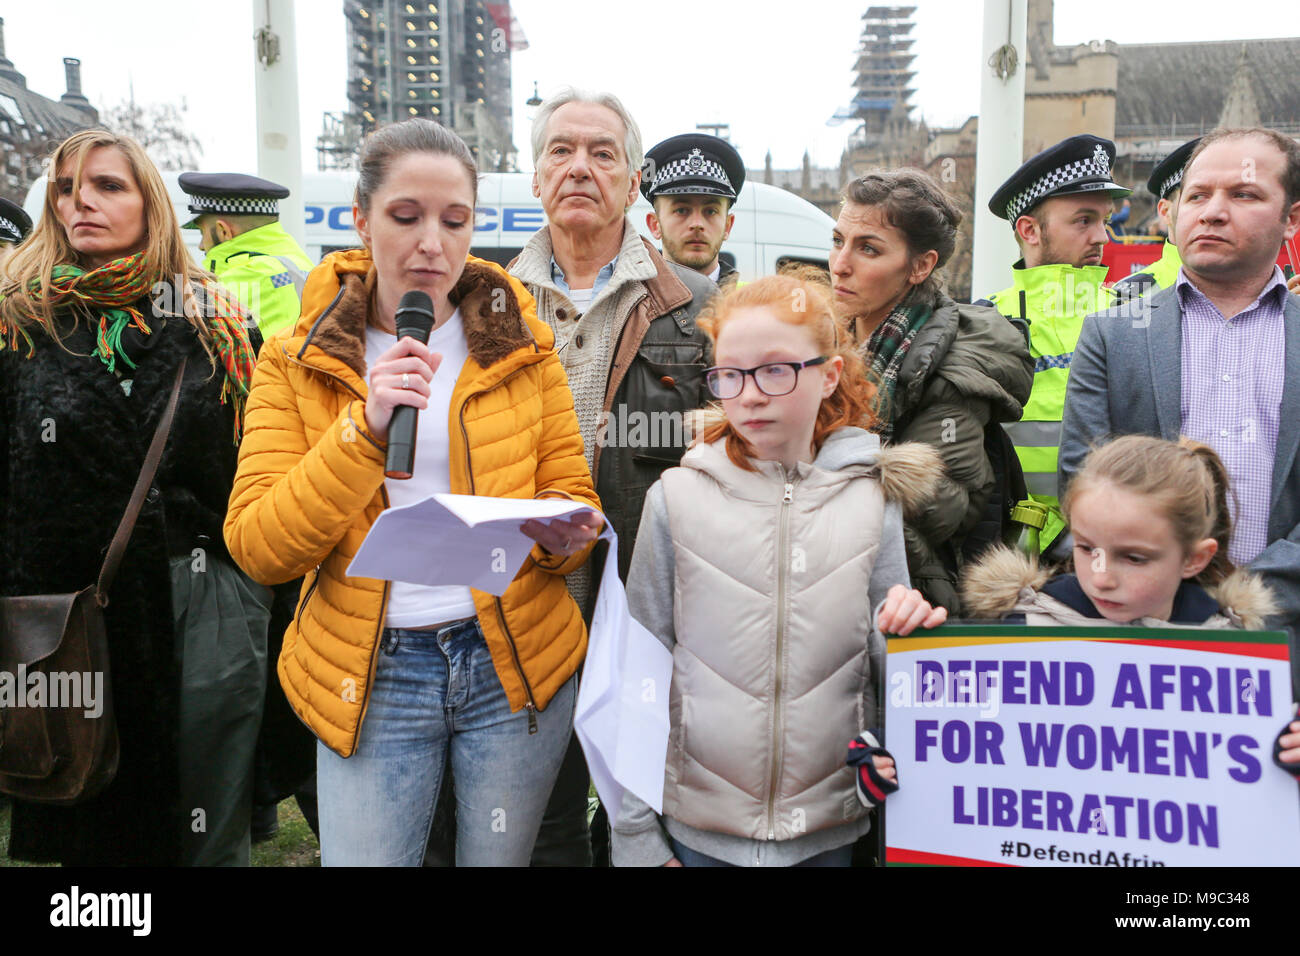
(1005, 581)
(311, 471)
(1247, 597)
(991, 587)
(336, 303)
(909, 472)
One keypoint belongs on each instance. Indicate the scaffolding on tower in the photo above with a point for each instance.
(884, 75)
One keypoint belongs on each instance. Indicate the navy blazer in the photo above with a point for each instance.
(1126, 378)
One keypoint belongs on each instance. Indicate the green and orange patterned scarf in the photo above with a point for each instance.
(113, 289)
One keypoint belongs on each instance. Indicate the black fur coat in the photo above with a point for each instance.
(71, 446)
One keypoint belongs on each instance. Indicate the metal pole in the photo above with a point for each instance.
(1000, 146)
(279, 148)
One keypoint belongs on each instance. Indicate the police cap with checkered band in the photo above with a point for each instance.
(231, 194)
(1168, 174)
(14, 223)
(1080, 164)
(692, 164)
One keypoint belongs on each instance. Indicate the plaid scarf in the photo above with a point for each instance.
(884, 351)
(114, 288)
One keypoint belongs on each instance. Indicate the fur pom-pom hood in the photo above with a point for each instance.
(909, 474)
(1245, 597)
(992, 586)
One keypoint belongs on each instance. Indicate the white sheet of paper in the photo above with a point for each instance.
(622, 712)
(468, 540)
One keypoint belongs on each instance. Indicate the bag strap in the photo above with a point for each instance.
(113, 559)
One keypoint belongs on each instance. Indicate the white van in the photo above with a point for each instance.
(773, 226)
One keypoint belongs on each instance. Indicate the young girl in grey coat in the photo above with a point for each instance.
(769, 563)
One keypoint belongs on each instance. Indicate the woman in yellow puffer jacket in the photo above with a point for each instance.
(391, 675)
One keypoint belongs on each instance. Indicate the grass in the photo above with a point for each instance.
(294, 845)
(4, 837)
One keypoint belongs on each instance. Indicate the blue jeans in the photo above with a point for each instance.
(840, 856)
(435, 690)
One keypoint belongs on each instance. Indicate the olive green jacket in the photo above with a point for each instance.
(968, 366)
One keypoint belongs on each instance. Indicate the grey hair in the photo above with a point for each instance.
(631, 143)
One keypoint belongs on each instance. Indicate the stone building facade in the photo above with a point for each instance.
(1148, 97)
(32, 125)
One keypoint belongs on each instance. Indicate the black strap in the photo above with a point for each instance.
(113, 559)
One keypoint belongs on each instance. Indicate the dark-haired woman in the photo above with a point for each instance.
(392, 676)
(944, 370)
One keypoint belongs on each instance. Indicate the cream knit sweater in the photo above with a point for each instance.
(585, 343)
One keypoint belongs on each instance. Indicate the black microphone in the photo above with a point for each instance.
(414, 318)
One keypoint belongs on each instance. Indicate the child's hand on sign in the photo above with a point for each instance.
(1286, 749)
(873, 768)
(905, 610)
(885, 767)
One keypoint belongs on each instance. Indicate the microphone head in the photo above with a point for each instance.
(415, 315)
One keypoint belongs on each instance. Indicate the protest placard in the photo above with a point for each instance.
(1096, 746)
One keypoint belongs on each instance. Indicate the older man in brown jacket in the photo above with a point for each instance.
(624, 320)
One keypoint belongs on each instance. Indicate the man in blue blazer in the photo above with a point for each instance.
(1216, 357)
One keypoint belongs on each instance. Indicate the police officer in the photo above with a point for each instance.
(253, 256)
(692, 182)
(14, 224)
(1058, 202)
(246, 248)
(1166, 184)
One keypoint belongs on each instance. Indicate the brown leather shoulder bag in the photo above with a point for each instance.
(58, 737)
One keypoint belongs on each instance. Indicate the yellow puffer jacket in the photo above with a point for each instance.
(310, 485)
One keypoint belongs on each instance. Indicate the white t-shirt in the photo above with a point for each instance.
(581, 298)
(415, 605)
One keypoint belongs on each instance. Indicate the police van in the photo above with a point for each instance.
(773, 227)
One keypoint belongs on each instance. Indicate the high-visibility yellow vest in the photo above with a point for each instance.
(1052, 301)
(264, 269)
(1161, 274)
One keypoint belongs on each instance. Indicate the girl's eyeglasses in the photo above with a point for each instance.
(772, 379)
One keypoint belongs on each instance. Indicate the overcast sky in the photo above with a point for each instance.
(775, 70)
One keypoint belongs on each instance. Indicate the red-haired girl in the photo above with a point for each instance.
(759, 563)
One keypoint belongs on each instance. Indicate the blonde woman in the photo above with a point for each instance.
(98, 308)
